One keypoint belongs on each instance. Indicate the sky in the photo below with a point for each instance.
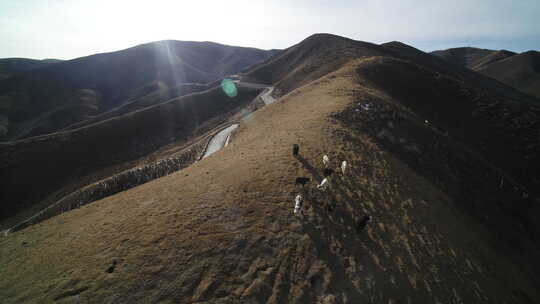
(67, 29)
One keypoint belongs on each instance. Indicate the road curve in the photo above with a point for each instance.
(221, 139)
(218, 141)
(266, 97)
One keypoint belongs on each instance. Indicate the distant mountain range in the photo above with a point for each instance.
(520, 71)
(41, 98)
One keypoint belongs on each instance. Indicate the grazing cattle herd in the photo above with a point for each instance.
(140, 175)
(323, 187)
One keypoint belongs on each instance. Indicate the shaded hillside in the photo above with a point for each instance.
(48, 163)
(501, 126)
(222, 230)
(51, 98)
(13, 66)
(308, 60)
(498, 134)
(460, 73)
(520, 71)
(492, 118)
(145, 97)
(496, 123)
(470, 57)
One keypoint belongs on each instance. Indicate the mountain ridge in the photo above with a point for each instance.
(51, 98)
(518, 70)
(15, 65)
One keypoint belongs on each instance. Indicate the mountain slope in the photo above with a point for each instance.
(49, 163)
(308, 60)
(495, 120)
(520, 71)
(48, 99)
(148, 96)
(13, 66)
(472, 57)
(222, 230)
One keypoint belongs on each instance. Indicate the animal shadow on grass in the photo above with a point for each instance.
(310, 168)
(333, 244)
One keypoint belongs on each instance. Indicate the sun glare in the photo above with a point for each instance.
(191, 20)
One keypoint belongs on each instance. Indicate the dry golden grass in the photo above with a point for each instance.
(222, 230)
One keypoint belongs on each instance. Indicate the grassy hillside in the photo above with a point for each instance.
(13, 66)
(496, 121)
(472, 57)
(48, 99)
(308, 60)
(147, 96)
(48, 163)
(520, 71)
(222, 230)
(501, 129)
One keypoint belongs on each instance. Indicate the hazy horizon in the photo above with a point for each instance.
(70, 29)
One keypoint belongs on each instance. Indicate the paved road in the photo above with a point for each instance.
(266, 97)
(218, 141)
(221, 139)
(251, 84)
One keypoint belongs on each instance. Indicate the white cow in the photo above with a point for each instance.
(323, 185)
(298, 204)
(343, 167)
(326, 160)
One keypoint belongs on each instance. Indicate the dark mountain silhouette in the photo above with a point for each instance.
(48, 99)
(13, 66)
(520, 71)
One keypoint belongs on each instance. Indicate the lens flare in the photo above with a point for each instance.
(229, 87)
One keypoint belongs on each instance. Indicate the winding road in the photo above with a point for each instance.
(221, 139)
(265, 95)
(218, 141)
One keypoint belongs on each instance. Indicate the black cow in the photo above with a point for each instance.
(295, 149)
(363, 223)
